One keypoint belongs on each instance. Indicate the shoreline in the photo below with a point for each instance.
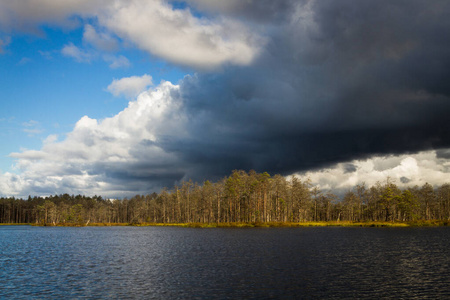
(420, 223)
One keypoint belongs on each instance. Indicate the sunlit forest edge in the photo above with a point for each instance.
(243, 199)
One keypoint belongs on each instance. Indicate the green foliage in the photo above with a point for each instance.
(255, 199)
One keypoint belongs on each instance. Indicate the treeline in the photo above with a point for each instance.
(241, 197)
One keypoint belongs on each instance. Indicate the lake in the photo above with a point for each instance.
(224, 263)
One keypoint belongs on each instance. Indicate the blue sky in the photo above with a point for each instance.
(44, 92)
(126, 97)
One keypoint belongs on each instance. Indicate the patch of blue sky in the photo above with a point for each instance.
(52, 91)
(183, 5)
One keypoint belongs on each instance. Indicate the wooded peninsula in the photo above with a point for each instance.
(252, 198)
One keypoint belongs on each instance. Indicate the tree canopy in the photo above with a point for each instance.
(240, 197)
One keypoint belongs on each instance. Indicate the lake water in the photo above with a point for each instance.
(191, 263)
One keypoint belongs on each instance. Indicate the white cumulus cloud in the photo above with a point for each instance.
(116, 62)
(115, 156)
(130, 86)
(102, 41)
(32, 127)
(153, 26)
(406, 170)
(78, 54)
(180, 37)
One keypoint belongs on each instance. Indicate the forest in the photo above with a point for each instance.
(244, 197)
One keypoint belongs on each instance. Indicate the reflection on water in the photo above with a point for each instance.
(189, 263)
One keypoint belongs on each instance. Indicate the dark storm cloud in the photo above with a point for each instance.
(338, 80)
(405, 179)
(349, 168)
(261, 11)
(332, 81)
(142, 177)
(444, 153)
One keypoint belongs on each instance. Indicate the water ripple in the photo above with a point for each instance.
(188, 263)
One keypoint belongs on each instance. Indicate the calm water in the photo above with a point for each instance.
(189, 263)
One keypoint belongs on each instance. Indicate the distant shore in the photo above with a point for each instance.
(420, 223)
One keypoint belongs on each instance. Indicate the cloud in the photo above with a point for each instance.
(88, 55)
(79, 55)
(156, 142)
(46, 54)
(404, 179)
(102, 41)
(407, 170)
(265, 11)
(349, 168)
(180, 37)
(332, 85)
(5, 41)
(130, 86)
(24, 61)
(32, 127)
(26, 15)
(153, 26)
(117, 61)
(11, 184)
(117, 156)
(33, 131)
(359, 90)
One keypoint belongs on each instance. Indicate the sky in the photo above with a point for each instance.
(118, 98)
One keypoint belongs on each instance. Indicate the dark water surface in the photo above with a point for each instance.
(190, 263)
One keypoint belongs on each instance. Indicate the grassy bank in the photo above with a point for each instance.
(321, 224)
(420, 223)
